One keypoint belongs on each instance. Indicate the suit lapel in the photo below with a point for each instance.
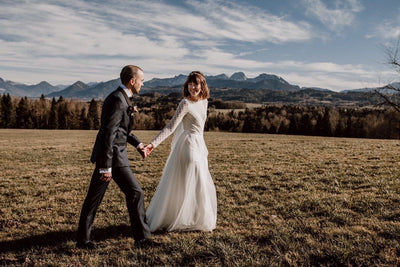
(130, 110)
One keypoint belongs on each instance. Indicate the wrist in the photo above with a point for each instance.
(140, 146)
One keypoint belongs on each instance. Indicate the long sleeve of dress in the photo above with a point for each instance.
(180, 112)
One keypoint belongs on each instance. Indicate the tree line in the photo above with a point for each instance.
(155, 110)
(24, 113)
(381, 123)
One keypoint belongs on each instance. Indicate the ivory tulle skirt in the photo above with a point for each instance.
(185, 198)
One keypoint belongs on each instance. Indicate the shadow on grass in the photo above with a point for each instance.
(59, 238)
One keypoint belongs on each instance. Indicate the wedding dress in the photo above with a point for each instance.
(185, 198)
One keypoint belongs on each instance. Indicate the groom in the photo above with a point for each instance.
(110, 155)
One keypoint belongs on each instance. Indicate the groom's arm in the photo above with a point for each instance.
(111, 120)
(133, 140)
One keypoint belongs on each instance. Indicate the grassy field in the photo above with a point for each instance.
(282, 200)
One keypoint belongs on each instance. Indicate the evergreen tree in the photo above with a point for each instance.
(24, 119)
(42, 113)
(7, 118)
(53, 117)
(93, 114)
(63, 115)
(75, 120)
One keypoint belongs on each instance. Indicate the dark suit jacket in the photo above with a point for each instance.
(110, 147)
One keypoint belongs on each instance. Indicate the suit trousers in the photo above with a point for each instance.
(127, 182)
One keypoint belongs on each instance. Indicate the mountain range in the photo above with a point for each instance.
(165, 85)
(18, 89)
(220, 83)
(237, 80)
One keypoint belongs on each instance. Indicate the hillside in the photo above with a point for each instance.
(262, 89)
(19, 89)
(71, 91)
(300, 97)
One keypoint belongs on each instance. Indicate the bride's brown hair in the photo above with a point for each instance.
(197, 77)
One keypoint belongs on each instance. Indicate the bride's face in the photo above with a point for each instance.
(194, 89)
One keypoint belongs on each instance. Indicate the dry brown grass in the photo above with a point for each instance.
(282, 200)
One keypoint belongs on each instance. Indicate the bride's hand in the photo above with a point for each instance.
(148, 149)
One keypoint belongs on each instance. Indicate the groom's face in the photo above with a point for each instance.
(137, 82)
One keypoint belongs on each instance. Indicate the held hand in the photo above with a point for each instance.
(141, 150)
(105, 177)
(148, 149)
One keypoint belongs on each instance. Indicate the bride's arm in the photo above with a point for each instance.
(172, 124)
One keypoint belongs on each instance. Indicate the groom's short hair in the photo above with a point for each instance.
(128, 72)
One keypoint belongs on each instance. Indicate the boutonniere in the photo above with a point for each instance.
(132, 110)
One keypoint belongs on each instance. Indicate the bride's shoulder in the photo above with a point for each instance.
(184, 101)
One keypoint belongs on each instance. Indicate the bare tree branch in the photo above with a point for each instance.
(388, 87)
(391, 97)
(387, 100)
(393, 55)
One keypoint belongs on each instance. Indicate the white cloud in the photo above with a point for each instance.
(337, 18)
(244, 23)
(215, 20)
(388, 30)
(62, 31)
(65, 41)
(41, 35)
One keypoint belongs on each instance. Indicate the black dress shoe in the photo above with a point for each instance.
(88, 245)
(146, 243)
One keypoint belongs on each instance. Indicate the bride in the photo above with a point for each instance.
(185, 198)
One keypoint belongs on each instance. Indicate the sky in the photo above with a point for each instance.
(334, 44)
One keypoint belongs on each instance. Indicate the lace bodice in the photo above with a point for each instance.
(192, 115)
